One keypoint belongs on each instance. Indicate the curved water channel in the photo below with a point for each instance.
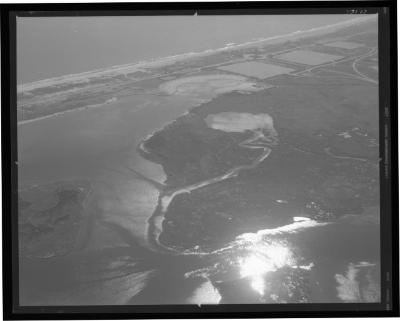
(257, 141)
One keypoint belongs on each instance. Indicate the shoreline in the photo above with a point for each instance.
(165, 61)
(107, 102)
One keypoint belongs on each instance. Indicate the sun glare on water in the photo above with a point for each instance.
(263, 258)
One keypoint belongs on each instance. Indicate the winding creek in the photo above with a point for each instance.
(257, 141)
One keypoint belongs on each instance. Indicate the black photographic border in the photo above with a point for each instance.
(389, 305)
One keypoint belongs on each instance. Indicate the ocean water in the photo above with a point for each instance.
(55, 46)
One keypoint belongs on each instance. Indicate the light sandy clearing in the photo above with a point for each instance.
(209, 85)
(240, 122)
